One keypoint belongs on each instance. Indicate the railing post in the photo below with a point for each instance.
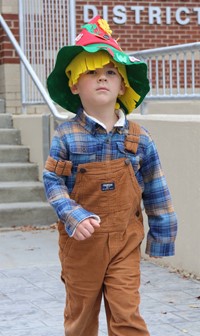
(72, 21)
(22, 69)
(143, 108)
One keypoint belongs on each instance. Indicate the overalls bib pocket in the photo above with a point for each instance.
(106, 187)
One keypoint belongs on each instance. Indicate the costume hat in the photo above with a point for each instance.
(95, 37)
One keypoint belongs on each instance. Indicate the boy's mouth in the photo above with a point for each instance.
(102, 88)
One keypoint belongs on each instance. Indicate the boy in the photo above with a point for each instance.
(99, 169)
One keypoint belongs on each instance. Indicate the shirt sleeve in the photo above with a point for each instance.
(157, 200)
(67, 210)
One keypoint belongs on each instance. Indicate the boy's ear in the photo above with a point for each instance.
(74, 89)
(122, 89)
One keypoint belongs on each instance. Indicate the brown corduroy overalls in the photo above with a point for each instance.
(108, 262)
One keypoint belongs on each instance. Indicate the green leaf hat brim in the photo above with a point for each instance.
(57, 82)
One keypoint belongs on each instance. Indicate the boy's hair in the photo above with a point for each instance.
(91, 61)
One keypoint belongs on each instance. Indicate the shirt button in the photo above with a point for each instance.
(127, 161)
(83, 170)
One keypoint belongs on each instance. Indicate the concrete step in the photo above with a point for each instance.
(26, 214)
(14, 153)
(25, 191)
(6, 121)
(9, 136)
(22, 196)
(18, 172)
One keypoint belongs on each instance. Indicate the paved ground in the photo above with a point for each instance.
(32, 295)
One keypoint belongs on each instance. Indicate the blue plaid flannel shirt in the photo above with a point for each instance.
(82, 140)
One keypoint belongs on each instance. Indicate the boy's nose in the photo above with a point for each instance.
(102, 77)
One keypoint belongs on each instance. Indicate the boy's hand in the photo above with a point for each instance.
(85, 229)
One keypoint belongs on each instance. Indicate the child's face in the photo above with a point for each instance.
(99, 87)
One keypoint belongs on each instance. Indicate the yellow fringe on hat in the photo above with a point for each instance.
(90, 61)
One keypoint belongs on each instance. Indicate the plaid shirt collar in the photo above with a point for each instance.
(92, 125)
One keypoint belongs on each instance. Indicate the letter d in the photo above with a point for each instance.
(86, 9)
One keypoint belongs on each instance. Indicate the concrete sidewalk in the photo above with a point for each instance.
(32, 295)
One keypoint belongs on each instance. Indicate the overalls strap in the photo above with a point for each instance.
(59, 167)
(133, 137)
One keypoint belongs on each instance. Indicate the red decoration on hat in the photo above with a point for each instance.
(96, 31)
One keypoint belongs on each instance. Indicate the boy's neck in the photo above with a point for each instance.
(108, 118)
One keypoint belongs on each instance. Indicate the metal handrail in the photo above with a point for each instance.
(31, 72)
(166, 50)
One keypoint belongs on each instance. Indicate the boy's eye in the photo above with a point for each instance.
(91, 72)
(111, 72)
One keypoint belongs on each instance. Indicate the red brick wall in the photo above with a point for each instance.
(7, 52)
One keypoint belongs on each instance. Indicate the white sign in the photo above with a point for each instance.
(155, 14)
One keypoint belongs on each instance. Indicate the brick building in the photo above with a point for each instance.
(138, 25)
